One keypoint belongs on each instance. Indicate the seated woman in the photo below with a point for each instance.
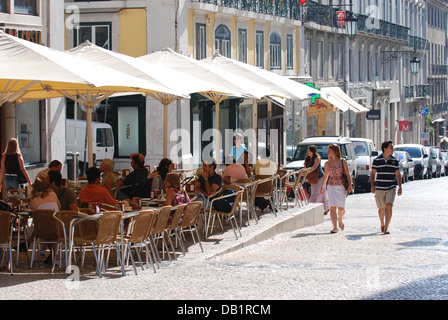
(158, 177)
(174, 196)
(43, 197)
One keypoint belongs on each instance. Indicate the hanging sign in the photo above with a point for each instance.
(373, 115)
(403, 125)
(340, 18)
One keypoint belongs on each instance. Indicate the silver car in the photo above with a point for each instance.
(408, 165)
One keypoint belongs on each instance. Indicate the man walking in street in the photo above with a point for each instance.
(383, 180)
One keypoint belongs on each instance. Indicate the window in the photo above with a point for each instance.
(259, 49)
(222, 41)
(340, 61)
(275, 51)
(320, 59)
(330, 60)
(97, 33)
(308, 57)
(28, 117)
(4, 6)
(289, 51)
(200, 41)
(242, 45)
(25, 7)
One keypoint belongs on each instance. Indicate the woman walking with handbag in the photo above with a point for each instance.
(339, 185)
(12, 166)
(315, 178)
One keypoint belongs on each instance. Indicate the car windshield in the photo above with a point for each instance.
(322, 150)
(401, 155)
(361, 148)
(414, 152)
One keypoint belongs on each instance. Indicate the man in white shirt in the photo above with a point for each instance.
(264, 166)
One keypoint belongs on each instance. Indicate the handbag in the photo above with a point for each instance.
(21, 178)
(344, 177)
(313, 177)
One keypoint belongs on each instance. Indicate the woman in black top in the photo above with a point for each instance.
(313, 161)
(12, 165)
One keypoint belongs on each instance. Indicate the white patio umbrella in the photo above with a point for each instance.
(159, 72)
(285, 87)
(214, 76)
(29, 71)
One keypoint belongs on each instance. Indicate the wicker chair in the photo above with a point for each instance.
(46, 230)
(173, 226)
(230, 215)
(137, 239)
(108, 228)
(158, 231)
(190, 220)
(266, 189)
(6, 219)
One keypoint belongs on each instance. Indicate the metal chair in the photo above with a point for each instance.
(173, 226)
(6, 220)
(230, 215)
(137, 239)
(158, 231)
(106, 237)
(46, 231)
(190, 220)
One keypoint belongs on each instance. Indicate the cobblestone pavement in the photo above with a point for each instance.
(310, 263)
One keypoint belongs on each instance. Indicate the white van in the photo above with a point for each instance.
(102, 137)
(365, 153)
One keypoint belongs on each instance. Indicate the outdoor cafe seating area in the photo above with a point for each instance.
(140, 235)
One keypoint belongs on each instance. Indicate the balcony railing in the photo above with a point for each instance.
(422, 90)
(409, 91)
(383, 28)
(418, 43)
(437, 69)
(281, 8)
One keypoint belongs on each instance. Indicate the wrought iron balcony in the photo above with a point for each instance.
(422, 90)
(437, 69)
(382, 28)
(281, 8)
(409, 91)
(418, 43)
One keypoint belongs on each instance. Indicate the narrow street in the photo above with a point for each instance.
(307, 264)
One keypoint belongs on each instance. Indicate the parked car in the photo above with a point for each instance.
(444, 155)
(419, 156)
(400, 165)
(408, 165)
(322, 143)
(439, 162)
(432, 163)
(365, 153)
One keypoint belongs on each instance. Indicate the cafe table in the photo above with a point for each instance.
(249, 187)
(20, 215)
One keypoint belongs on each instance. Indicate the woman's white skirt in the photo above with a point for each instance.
(336, 196)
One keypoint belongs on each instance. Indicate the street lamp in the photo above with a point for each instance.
(415, 64)
(351, 25)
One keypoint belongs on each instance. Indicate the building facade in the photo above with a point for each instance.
(40, 125)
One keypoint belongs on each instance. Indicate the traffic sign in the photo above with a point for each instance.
(425, 111)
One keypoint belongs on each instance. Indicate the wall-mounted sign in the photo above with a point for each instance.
(340, 18)
(403, 125)
(373, 115)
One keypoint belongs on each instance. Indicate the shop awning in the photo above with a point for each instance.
(340, 100)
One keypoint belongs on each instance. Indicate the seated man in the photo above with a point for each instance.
(137, 180)
(93, 192)
(234, 170)
(54, 165)
(209, 181)
(109, 180)
(66, 196)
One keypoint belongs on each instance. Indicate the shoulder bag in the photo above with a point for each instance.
(344, 176)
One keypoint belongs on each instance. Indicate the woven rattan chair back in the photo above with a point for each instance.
(5, 226)
(178, 213)
(191, 214)
(45, 225)
(162, 219)
(143, 224)
(108, 227)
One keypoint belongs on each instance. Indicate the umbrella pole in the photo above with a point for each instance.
(165, 130)
(89, 128)
(217, 136)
